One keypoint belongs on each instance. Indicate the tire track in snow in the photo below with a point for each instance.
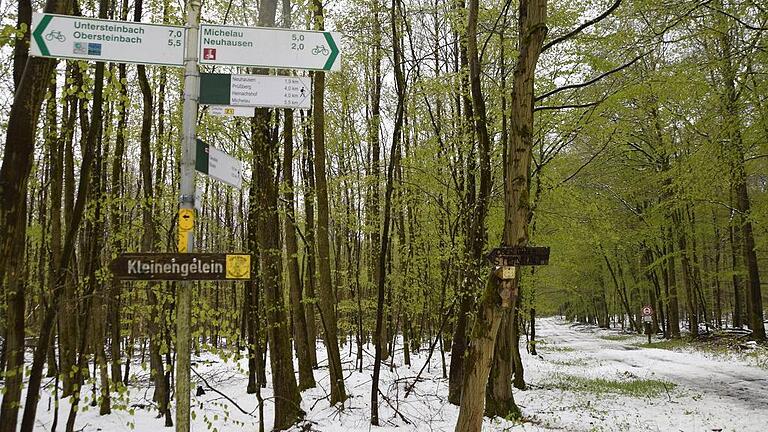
(743, 385)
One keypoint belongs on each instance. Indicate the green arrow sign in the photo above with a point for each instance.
(269, 47)
(66, 36)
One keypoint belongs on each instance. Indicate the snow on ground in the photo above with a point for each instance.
(686, 391)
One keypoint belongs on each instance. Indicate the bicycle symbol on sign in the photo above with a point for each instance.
(320, 49)
(55, 34)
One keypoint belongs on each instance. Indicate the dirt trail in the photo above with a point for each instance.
(746, 386)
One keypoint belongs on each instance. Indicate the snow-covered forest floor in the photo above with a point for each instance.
(584, 379)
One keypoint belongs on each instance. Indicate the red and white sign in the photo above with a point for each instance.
(209, 53)
(647, 311)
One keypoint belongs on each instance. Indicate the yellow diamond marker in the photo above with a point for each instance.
(238, 267)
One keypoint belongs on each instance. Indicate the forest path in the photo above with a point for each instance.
(733, 382)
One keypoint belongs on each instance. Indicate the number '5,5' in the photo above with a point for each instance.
(172, 42)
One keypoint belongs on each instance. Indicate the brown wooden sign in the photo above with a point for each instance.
(181, 266)
(519, 256)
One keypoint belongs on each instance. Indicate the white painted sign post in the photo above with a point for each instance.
(65, 36)
(269, 47)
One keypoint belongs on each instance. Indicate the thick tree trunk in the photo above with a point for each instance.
(479, 359)
(264, 148)
(498, 392)
(287, 397)
(532, 31)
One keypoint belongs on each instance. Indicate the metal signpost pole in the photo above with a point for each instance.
(187, 205)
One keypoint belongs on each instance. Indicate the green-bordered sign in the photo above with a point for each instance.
(269, 47)
(66, 36)
(219, 165)
(256, 90)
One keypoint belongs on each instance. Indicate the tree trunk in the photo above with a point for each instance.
(374, 129)
(734, 151)
(287, 397)
(113, 311)
(472, 207)
(306, 378)
(498, 393)
(327, 296)
(690, 294)
(18, 157)
(517, 361)
(532, 31)
(310, 299)
(302, 343)
(400, 87)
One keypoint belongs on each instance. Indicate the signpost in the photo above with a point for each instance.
(181, 266)
(507, 259)
(647, 311)
(187, 203)
(66, 36)
(256, 91)
(218, 164)
(647, 319)
(519, 256)
(269, 47)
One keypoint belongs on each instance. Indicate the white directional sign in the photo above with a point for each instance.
(269, 47)
(66, 36)
(256, 91)
(219, 165)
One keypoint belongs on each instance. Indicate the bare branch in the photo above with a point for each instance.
(737, 19)
(580, 28)
(593, 80)
(591, 158)
(558, 107)
(751, 158)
